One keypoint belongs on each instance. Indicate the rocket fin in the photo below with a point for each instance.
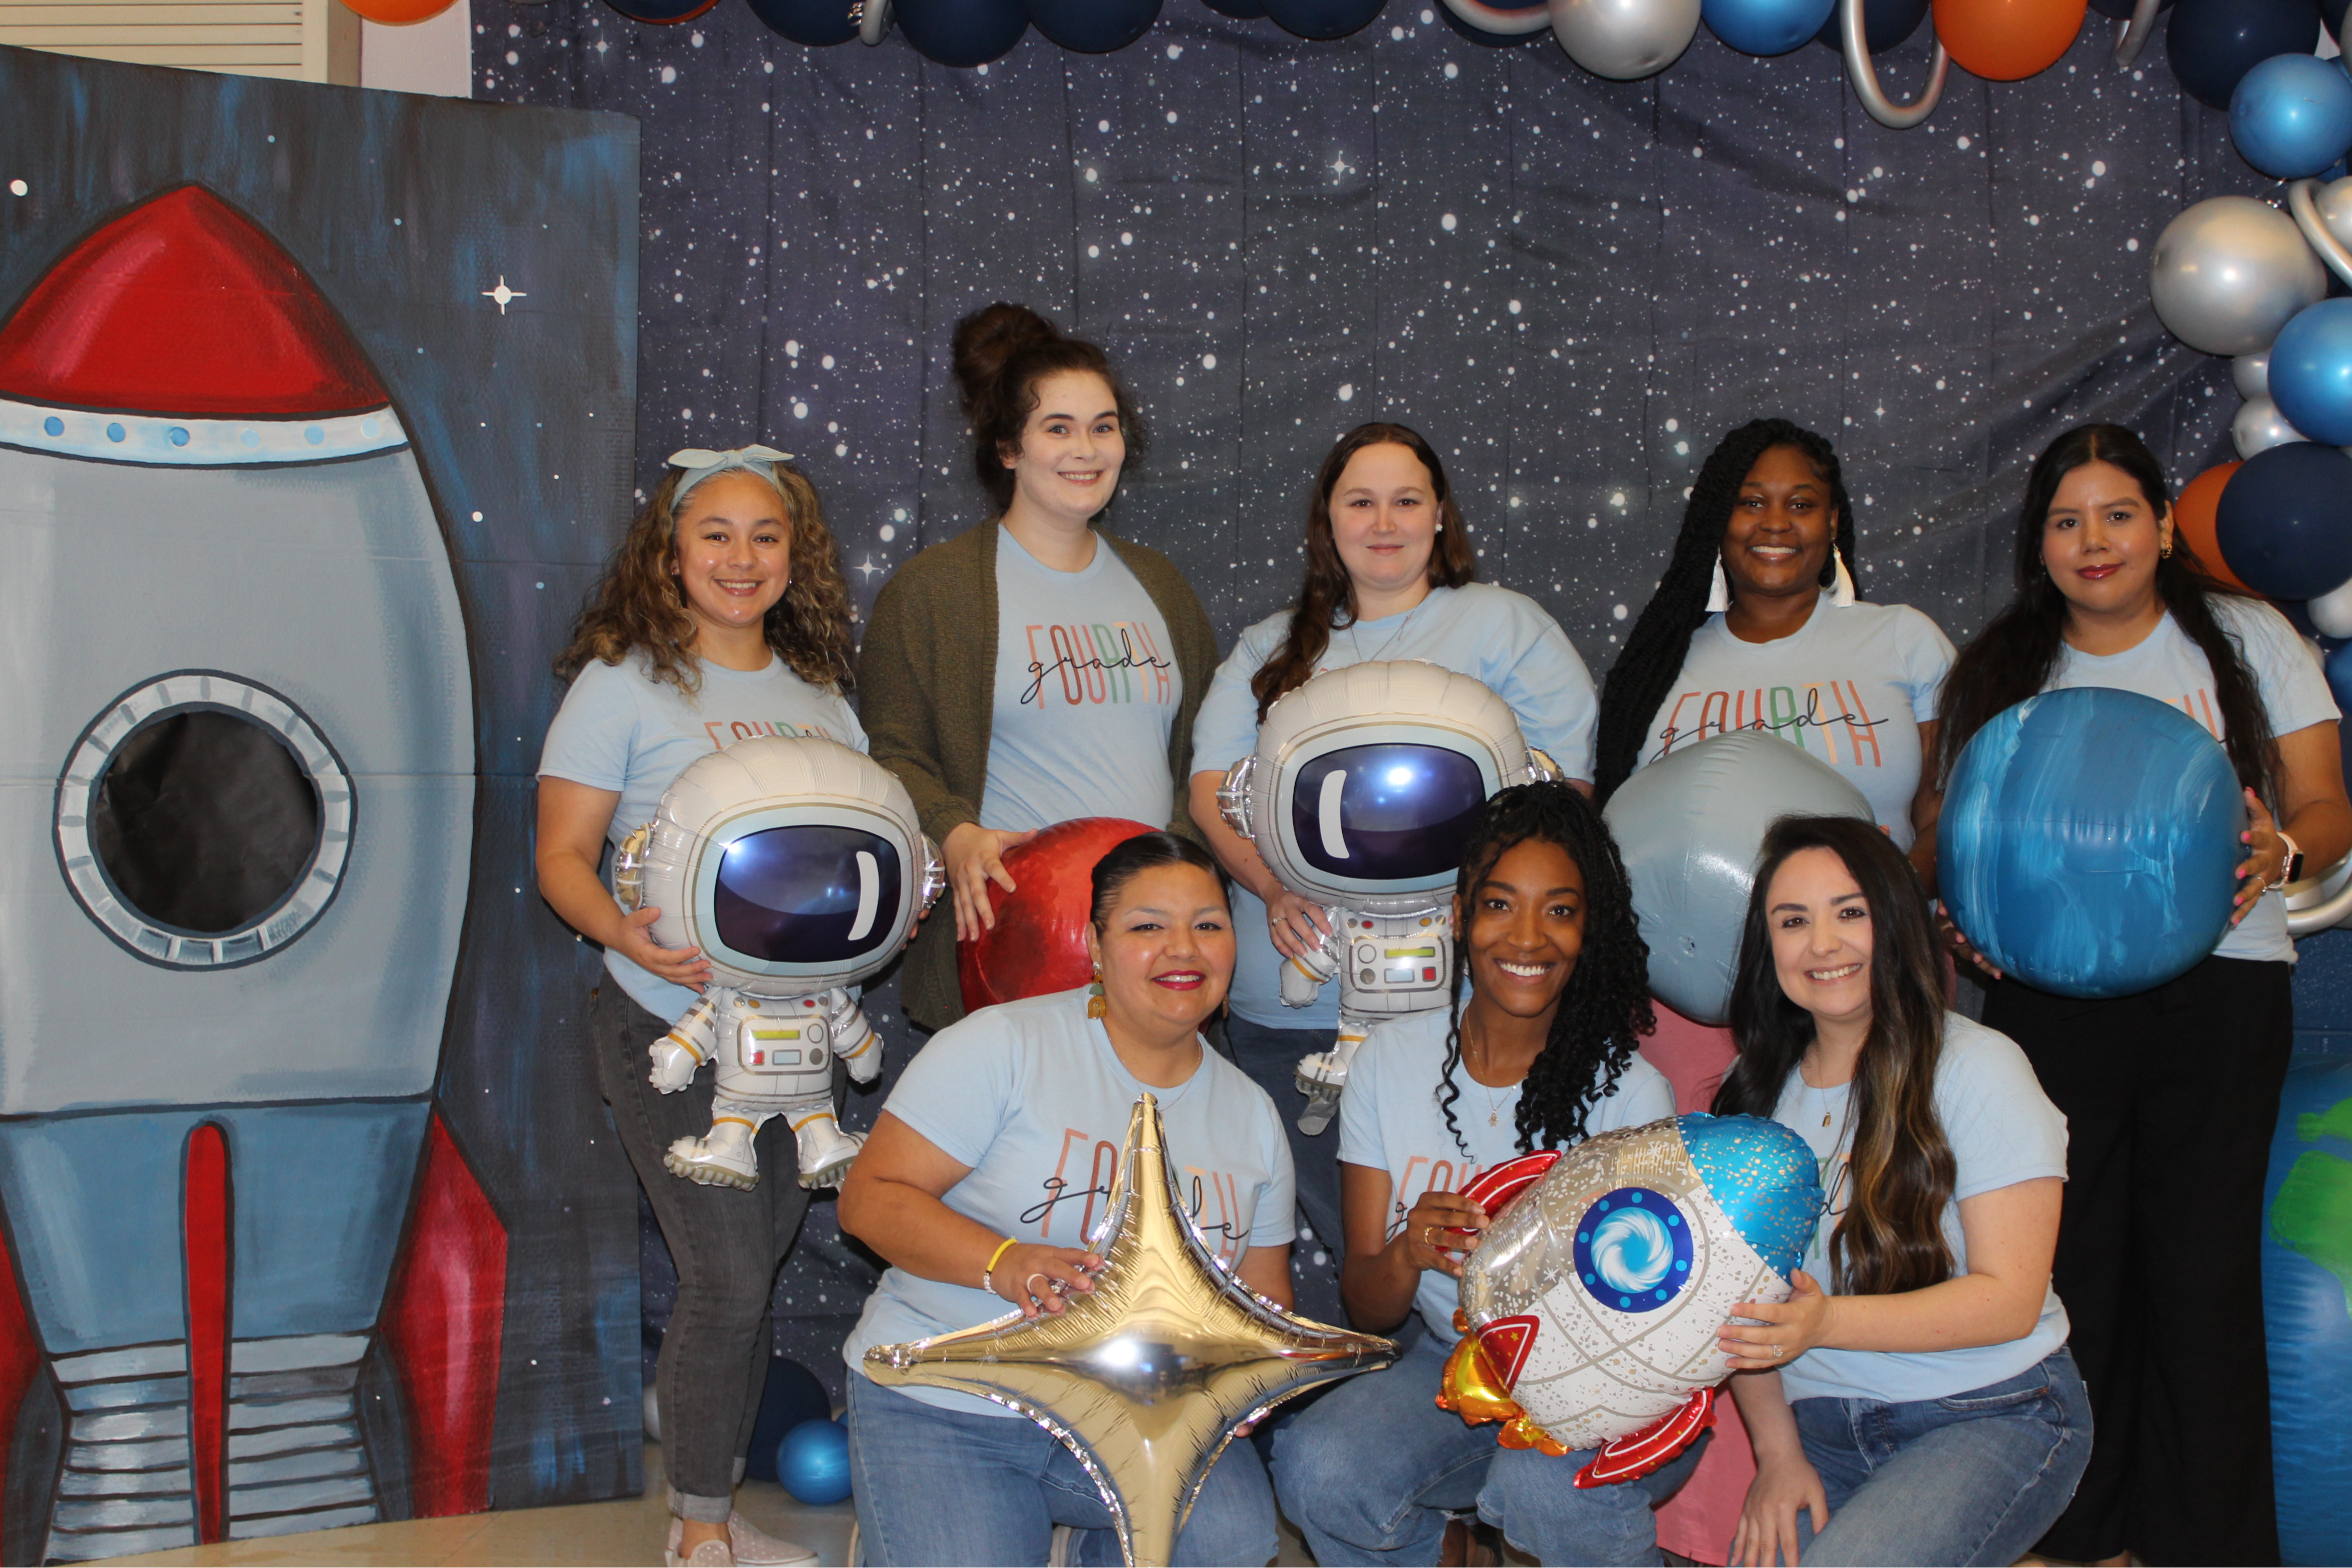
(1631, 1458)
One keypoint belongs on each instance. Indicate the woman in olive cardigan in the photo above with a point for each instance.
(1118, 648)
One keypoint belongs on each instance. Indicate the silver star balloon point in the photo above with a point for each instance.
(1145, 1377)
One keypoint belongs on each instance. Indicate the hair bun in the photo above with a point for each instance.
(987, 341)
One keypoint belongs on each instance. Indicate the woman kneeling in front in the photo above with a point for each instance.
(1915, 1401)
(987, 1169)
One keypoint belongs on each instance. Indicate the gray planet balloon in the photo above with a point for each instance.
(1624, 39)
(2229, 273)
(2260, 425)
(1690, 826)
(2252, 374)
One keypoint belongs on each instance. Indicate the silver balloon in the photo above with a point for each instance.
(2332, 612)
(2252, 374)
(2260, 425)
(2229, 273)
(1624, 39)
(2324, 213)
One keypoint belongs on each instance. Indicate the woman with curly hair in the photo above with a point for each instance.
(1539, 1053)
(723, 614)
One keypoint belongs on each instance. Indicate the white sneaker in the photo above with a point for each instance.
(754, 1545)
(709, 1554)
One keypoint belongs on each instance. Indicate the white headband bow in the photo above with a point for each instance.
(700, 463)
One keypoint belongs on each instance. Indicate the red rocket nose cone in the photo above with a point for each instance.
(183, 306)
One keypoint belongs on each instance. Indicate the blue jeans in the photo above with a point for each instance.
(948, 1486)
(1270, 1057)
(1976, 1478)
(1370, 1472)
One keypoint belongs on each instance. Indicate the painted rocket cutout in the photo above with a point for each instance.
(236, 789)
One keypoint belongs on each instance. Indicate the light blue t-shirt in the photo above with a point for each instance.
(1851, 686)
(1391, 1119)
(620, 729)
(2169, 666)
(1494, 634)
(2003, 1130)
(1033, 1098)
(1087, 692)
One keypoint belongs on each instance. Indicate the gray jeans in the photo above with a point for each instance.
(728, 1246)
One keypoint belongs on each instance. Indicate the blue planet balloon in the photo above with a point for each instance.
(813, 1461)
(961, 33)
(2290, 116)
(1765, 27)
(792, 1399)
(1885, 23)
(2214, 43)
(1323, 19)
(1097, 26)
(2284, 519)
(2339, 682)
(2089, 841)
(816, 23)
(2307, 1309)
(2311, 366)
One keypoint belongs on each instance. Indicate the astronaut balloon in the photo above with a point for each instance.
(1361, 794)
(799, 868)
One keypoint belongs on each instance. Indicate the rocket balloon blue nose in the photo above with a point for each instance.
(2088, 841)
(1764, 1179)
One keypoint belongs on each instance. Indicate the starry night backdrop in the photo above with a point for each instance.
(1573, 287)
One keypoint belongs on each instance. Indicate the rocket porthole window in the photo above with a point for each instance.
(203, 821)
(1634, 1249)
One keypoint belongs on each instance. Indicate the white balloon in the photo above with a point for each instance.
(2252, 374)
(2332, 612)
(2334, 201)
(2259, 427)
(1624, 39)
(2230, 271)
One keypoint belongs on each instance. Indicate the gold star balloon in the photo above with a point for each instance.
(1145, 1377)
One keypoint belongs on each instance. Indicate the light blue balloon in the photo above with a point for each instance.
(2290, 116)
(1765, 26)
(2311, 372)
(2089, 841)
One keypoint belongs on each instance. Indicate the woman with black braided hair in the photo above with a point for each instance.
(1539, 1054)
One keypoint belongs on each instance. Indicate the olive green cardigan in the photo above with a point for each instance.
(927, 696)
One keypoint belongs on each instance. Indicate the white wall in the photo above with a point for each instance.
(434, 56)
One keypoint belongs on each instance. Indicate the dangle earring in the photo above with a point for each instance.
(1719, 595)
(1096, 1006)
(1842, 589)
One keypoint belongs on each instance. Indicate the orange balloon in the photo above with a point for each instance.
(2192, 520)
(2004, 40)
(399, 13)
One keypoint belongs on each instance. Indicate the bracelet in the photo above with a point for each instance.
(987, 1281)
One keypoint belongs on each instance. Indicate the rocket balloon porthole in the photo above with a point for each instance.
(1634, 1250)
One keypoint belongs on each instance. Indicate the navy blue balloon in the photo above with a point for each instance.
(2089, 841)
(792, 1399)
(2214, 43)
(1478, 35)
(961, 33)
(2290, 116)
(2308, 1190)
(2311, 369)
(2284, 520)
(2332, 12)
(816, 23)
(1765, 27)
(813, 1461)
(1094, 26)
(1885, 23)
(1323, 19)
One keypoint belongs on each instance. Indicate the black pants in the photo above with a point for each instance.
(728, 1246)
(2170, 1097)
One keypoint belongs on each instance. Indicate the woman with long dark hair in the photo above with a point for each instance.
(1389, 576)
(968, 1188)
(1553, 983)
(1036, 667)
(2171, 1095)
(1914, 1401)
(1755, 626)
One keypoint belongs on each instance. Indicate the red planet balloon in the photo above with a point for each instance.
(2006, 40)
(1039, 942)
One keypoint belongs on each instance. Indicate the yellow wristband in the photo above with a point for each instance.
(986, 1279)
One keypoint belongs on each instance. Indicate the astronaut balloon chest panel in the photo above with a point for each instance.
(1364, 789)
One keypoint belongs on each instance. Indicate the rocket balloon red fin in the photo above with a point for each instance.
(1631, 1457)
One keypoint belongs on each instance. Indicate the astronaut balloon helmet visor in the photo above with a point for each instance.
(1367, 783)
(794, 863)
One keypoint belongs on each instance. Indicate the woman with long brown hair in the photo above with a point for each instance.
(1914, 1401)
(1389, 576)
(2110, 595)
(722, 615)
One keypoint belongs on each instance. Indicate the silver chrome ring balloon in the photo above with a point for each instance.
(2137, 29)
(1509, 24)
(874, 21)
(1864, 75)
(2331, 905)
(2307, 219)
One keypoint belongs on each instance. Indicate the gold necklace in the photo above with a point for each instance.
(1493, 1106)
